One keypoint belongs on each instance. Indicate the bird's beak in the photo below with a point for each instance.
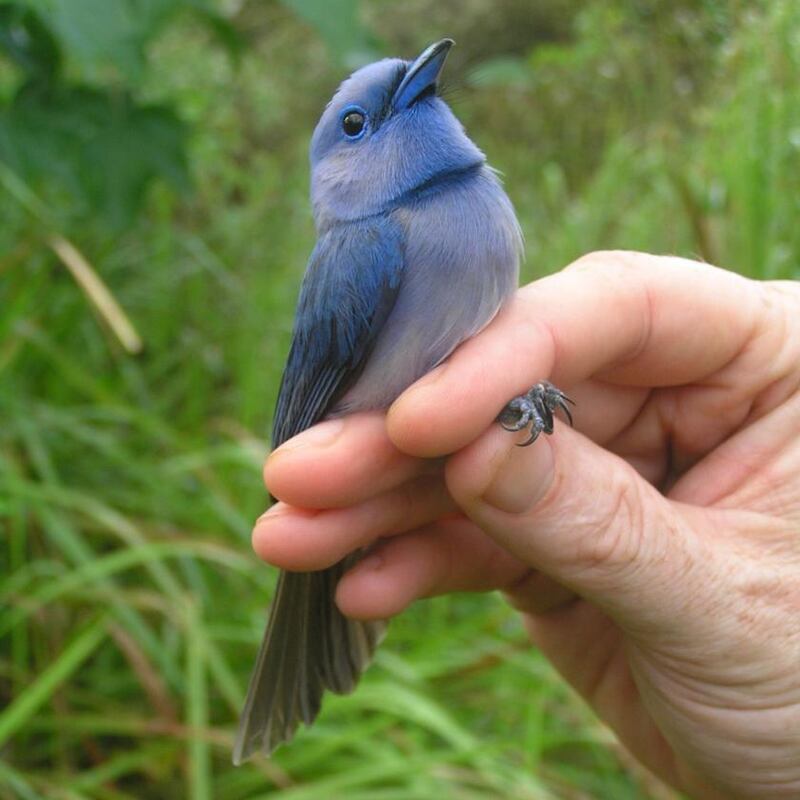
(422, 74)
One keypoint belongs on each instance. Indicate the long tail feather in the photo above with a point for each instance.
(308, 647)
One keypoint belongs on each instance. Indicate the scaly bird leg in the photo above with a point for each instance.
(535, 409)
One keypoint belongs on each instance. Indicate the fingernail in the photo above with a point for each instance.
(275, 510)
(281, 509)
(522, 478)
(321, 435)
(402, 418)
(370, 563)
(269, 534)
(429, 378)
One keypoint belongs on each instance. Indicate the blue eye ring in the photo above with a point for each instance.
(355, 122)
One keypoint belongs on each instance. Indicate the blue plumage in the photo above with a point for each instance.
(350, 288)
(418, 248)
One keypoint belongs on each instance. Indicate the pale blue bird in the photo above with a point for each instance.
(418, 247)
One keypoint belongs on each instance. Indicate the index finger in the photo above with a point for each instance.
(630, 318)
(339, 463)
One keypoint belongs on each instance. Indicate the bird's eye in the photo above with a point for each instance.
(353, 123)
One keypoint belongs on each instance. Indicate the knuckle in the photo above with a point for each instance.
(610, 262)
(780, 326)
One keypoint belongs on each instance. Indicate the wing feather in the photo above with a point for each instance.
(349, 290)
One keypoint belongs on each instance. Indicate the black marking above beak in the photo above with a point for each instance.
(422, 74)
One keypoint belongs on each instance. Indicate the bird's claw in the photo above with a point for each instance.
(535, 409)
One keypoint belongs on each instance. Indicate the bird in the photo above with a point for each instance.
(418, 247)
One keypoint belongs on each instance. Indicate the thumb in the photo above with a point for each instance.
(585, 517)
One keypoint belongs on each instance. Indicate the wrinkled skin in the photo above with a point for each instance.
(654, 550)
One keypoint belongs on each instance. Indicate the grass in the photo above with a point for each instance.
(131, 605)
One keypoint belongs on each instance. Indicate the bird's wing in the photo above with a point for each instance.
(350, 287)
(349, 290)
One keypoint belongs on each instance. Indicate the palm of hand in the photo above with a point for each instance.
(670, 603)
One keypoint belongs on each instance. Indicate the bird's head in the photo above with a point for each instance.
(385, 132)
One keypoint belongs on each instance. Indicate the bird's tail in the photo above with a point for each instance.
(308, 647)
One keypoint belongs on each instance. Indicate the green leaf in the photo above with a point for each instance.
(338, 23)
(100, 148)
(28, 43)
(95, 33)
(222, 30)
(138, 145)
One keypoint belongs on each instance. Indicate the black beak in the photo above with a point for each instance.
(422, 74)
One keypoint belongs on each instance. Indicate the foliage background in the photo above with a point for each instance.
(160, 145)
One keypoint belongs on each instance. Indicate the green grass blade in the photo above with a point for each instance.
(16, 783)
(75, 653)
(197, 706)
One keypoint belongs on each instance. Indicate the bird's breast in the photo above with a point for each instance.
(462, 251)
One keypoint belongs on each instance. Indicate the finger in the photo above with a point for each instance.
(339, 462)
(695, 420)
(302, 540)
(450, 556)
(756, 469)
(620, 418)
(587, 519)
(638, 319)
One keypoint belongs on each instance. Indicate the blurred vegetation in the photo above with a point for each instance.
(154, 226)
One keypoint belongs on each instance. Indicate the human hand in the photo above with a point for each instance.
(654, 551)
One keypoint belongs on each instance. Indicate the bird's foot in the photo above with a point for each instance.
(535, 410)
